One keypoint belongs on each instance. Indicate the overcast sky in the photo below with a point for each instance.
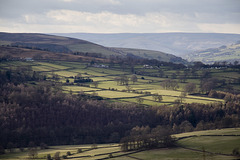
(120, 16)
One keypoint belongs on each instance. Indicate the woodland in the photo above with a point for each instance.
(36, 111)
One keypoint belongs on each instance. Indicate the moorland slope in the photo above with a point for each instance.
(58, 44)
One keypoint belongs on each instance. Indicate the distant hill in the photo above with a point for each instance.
(149, 54)
(228, 53)
(52, 43)
(174, 43)
(59, 44)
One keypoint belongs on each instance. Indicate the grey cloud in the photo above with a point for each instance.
(124, 7)
(187, 13)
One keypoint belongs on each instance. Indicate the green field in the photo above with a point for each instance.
(212, 143)
(229, 131)
(108, 88)
(78, 88)
(189, 148)
(74, 92)
(175, 154)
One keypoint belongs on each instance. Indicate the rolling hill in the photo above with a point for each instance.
(174, 43)
(59, 44)
(52, 43)
(149, 54)
(230, 53)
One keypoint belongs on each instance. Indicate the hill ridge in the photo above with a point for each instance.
(176, 43)
(61, 44)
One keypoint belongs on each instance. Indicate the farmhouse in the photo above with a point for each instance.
(147, 66)
(28, 59)
(100, 66)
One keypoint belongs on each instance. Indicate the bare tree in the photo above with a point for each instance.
(129, 88)
(140, 100)
(95, 84)
(134, 78)
(57, 156)
(190, 88)
(182, 96)
(157, 97)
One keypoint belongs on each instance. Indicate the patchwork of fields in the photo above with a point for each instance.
(196, 145)
(213, 144)
(107, 86)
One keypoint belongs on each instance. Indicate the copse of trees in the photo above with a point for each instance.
(134, 78)
(122, 80)
(170, 84)
(88, 54)
(80, 79)
(190, 88)
(20, 75)
(147, 138)
(157, 97)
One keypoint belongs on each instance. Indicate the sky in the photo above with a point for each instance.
(120, 16)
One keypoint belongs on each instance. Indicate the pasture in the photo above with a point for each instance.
(109, 88)
(196, 146)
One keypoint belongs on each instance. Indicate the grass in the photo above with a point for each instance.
(165, 92)
(145, 101)
(52, 65)
(165, 99)
(175, 154)
(101, 79)
(17, 155)
(97, 151)
(212, 143)
(110, 84)
(107, 71)
(88, 71)
(228, 131)
(203, 100)
(65, 73)
(45, 68)
(15, 64)
(222, 144)
(79, 88)
(76, 65)
(105, 78)
(42, 68)
(229, 75)
(115, 94)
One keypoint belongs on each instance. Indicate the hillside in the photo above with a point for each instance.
(174, 43)
(58, 44)
(230, 53)
(149, 54)
(52, 43)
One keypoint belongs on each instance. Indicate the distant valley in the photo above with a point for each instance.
(230, 53)
(174, 43)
